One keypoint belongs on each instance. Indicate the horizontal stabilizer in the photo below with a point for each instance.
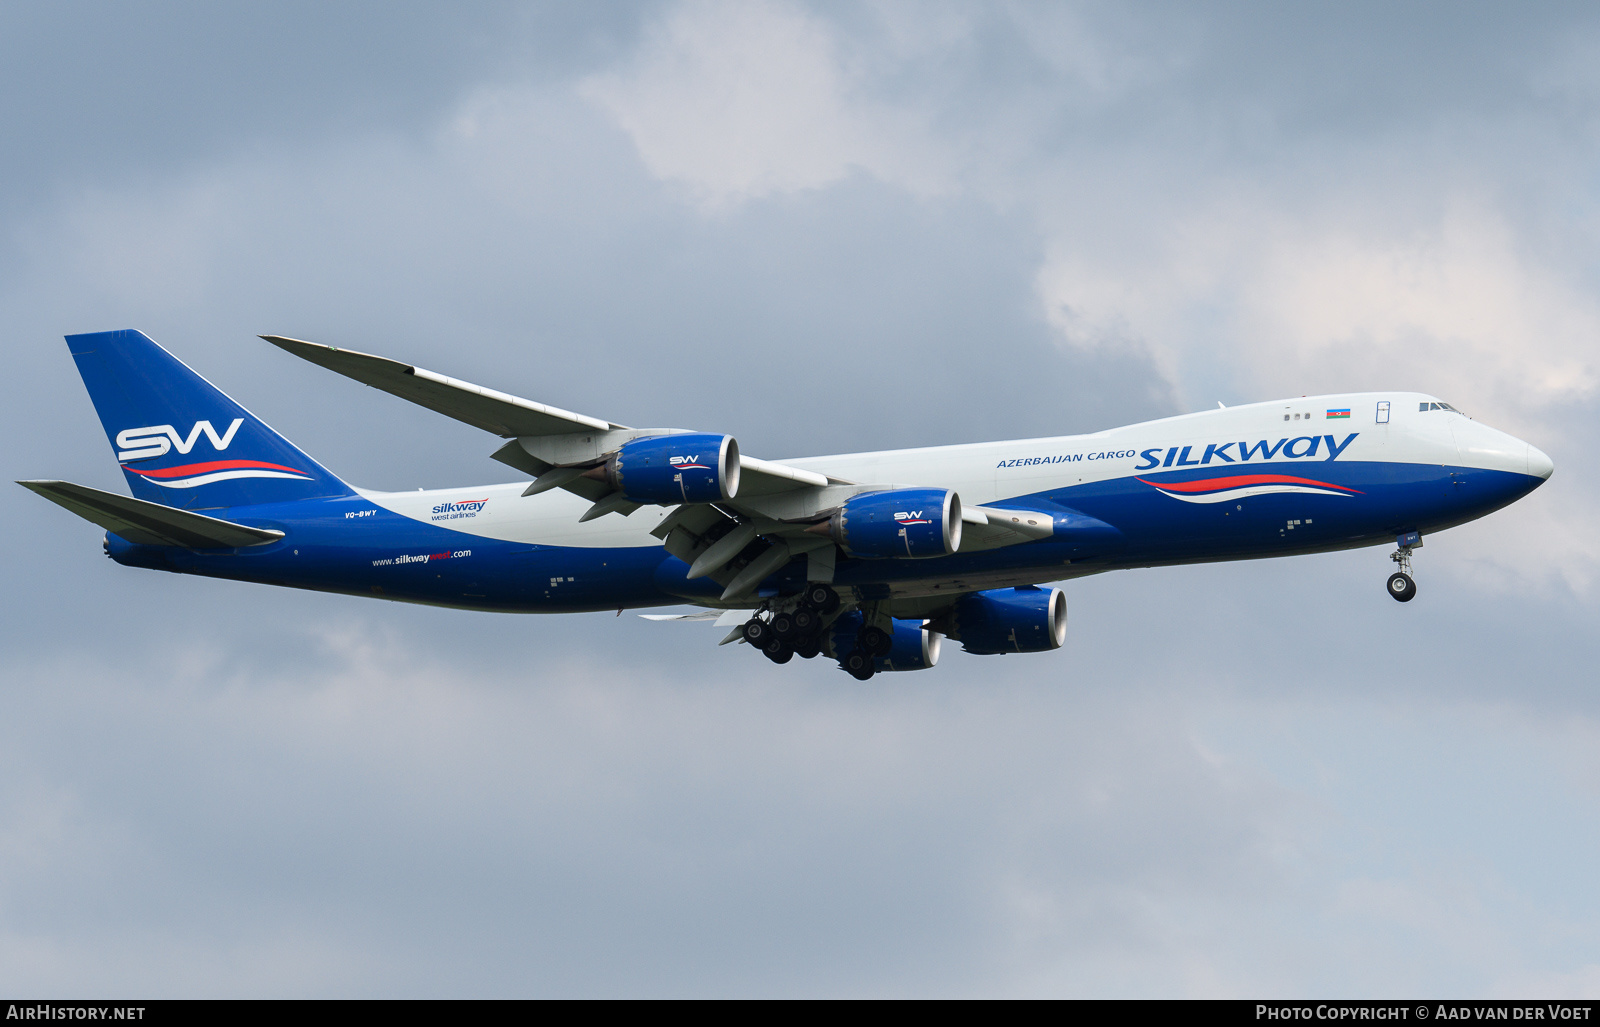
(497, 412)
(150, 524)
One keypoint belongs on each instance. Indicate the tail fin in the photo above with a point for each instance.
(181, 442)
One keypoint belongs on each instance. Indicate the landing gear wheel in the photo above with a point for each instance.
(859, 665)
(783, 625)
(778, 651)
(875, 640)
(805, 621)
(822, 598)
(757, 632)
(806, 648)
(1400, 584)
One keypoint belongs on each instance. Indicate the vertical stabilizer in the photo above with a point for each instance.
(180, 440)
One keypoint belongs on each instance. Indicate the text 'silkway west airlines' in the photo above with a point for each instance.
(868, 558)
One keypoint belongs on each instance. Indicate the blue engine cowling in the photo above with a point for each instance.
(899, 523)
(669, 469)
(1009, 620)
(915, 647)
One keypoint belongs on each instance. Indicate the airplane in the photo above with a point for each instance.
(869, 559)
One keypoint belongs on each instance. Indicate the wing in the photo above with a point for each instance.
(497, 412)
(546, 437)
(736, 541)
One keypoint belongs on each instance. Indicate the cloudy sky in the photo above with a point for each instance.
(821, 228)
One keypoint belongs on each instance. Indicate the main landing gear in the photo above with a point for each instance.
(1401, 586)
(871, 643)
(797, 631)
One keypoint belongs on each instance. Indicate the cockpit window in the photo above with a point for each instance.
(1438, 406)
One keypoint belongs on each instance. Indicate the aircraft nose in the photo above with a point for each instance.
(1539, 464)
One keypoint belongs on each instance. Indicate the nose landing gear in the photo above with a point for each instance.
(1401, 586)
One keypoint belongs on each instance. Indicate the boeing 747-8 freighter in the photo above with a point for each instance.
(868, 558)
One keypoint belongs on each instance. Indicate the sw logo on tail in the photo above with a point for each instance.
(161, 439)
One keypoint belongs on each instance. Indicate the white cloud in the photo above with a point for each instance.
(739, 99)
(1456, 307)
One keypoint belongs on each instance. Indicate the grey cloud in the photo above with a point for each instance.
(106, 93)
(559, 836)
(448, 804)
(872, 319)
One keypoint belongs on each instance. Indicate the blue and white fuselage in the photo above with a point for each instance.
(1309, 475)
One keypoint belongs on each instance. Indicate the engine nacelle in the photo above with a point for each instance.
(899, 523)
(1010, 620)
(914, 648)
(670, 469)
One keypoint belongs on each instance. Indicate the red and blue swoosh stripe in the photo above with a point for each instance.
(190, 475)
(1238, 486)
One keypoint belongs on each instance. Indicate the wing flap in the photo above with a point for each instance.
(150, 524)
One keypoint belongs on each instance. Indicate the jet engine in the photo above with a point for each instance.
(671, 469)
(904, 523)
(1009, 620)
(913, 647)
